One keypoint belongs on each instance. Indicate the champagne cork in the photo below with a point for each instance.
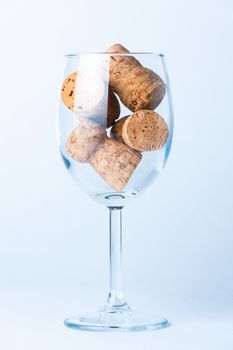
(144, 130)
(115, 163)
(84, 140)
(87, 94)
(137, 87)
(122, 64)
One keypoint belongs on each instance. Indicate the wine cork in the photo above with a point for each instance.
(116, 130)
(145, 130)
(115, 163)
(86, 94)
(137, 87)
(84, 140)
(68, 90)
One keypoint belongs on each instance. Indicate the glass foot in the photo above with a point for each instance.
(113, 319)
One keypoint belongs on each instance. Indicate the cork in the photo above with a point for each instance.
(115, 163)
(117, 48)
(116, 130)
(113, 108)
(120, 64)
(137, 87)
(87, 94)
(68, 90)
(83, 141)
(145, 130)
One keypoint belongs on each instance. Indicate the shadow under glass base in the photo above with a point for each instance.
(113, 319)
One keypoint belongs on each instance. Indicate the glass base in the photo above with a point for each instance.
(115, 319)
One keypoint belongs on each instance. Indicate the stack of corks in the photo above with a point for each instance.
(141, 90)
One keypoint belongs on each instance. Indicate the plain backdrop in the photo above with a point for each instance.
(178, 236)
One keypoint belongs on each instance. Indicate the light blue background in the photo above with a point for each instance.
(178, 237)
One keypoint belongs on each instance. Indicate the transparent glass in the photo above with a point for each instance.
(115, 162)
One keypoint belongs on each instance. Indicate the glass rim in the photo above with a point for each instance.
(76, 54)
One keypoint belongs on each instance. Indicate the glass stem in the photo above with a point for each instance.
(115, 297)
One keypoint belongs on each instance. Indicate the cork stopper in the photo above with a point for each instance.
(145, 130)
(120, 66)
(137, 87)
(115, 163)
(68, 90)
(83, 141)
(116, 130)
(87, 94)
(145, 89)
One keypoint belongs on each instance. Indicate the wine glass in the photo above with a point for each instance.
(115, 132)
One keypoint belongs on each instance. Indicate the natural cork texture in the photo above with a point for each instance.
(115, 163)
(137, 87)
(145, 130)
(84, 140)
(69, 92)
(116, 130)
